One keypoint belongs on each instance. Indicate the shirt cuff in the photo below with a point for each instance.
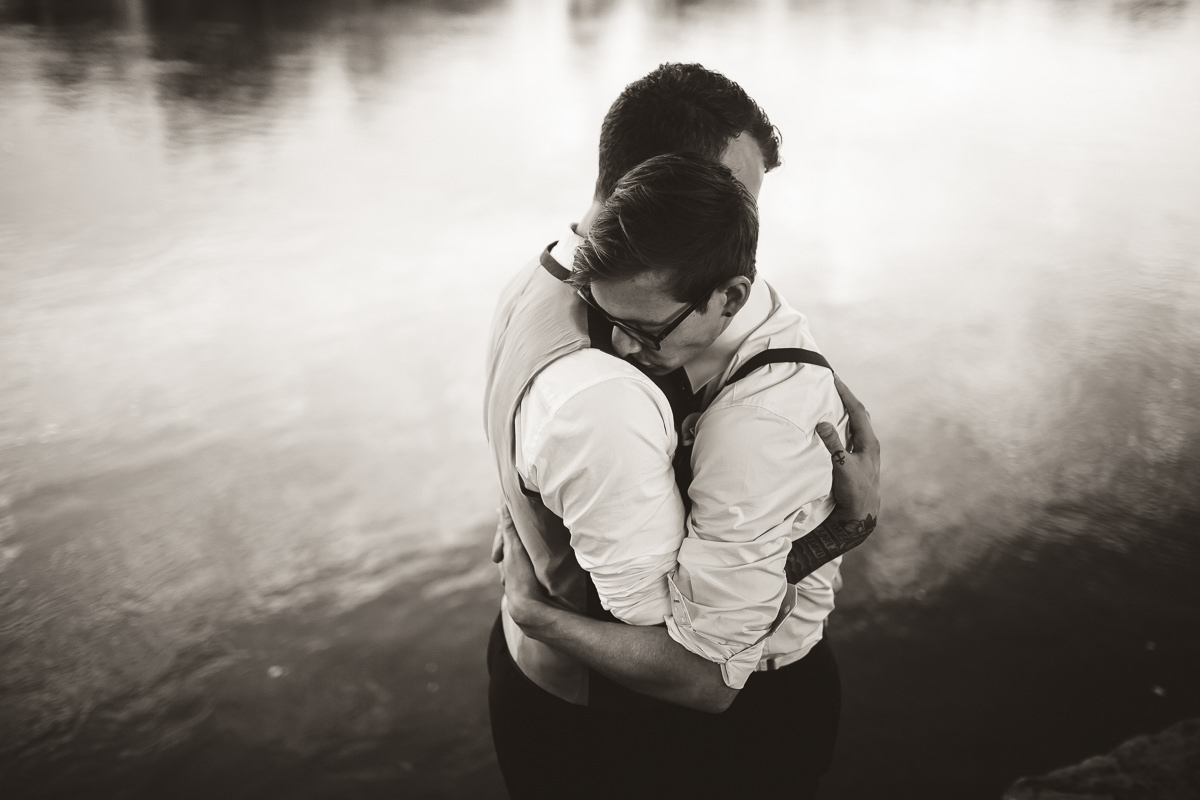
(737, 659)
(735, 667)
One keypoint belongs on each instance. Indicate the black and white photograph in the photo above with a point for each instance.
(486, 399)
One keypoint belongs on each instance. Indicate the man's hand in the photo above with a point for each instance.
(855, 492)
(503, 520)
(855, 466)
(644, 659)
(526, 598)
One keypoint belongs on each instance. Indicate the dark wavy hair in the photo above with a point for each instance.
(679, 108)
(682, 214)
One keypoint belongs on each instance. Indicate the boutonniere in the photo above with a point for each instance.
(687, 430)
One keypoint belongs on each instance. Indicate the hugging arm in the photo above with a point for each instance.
(601, 461)
(646, 659)
(641, 658)
(855, 491)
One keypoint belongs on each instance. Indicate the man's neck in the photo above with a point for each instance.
(716, 359)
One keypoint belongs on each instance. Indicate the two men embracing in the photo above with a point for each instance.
(677, 497)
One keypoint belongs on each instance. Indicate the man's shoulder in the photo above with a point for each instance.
(801, 393)
(783, 318)
(588, 402)
(594, 377)
(589, 366)
(784, 396)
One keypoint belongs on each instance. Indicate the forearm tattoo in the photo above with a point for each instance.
(830, 539)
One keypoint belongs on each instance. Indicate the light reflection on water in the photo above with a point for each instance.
(248, 254)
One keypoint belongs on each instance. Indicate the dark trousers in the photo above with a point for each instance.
(775, 741)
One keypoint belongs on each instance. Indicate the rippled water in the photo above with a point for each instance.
(248, 255)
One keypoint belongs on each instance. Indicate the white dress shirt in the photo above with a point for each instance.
(595, 437)
(762, 478)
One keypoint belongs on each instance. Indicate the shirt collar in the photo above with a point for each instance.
(719, 356)
(564, 250)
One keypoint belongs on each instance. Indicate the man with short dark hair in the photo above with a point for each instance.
(583, 443)
(681, 108)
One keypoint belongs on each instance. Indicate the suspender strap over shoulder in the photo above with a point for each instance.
(599, 328)
(779, 355)
(552, 266)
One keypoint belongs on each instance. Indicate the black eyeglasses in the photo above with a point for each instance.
(651, 340)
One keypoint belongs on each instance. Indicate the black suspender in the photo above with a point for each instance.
(552, 266)
(779, 355)
(599, 328)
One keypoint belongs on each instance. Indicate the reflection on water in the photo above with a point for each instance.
(248, 255)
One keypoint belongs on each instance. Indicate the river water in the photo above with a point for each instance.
(248, 256)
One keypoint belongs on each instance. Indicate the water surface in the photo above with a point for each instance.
(248, 257)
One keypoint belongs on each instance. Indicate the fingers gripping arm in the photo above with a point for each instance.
(855, 492)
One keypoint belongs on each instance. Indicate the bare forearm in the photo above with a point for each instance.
(644, 659)
(837, 535)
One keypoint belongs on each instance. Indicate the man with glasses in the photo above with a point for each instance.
(583, 443)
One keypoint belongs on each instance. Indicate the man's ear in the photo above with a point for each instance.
(737, 292)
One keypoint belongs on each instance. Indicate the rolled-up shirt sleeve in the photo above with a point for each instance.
(758, 476)
(600, 456)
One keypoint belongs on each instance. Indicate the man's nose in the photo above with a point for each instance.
(624, 344)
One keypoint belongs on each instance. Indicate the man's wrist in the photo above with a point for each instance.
(851, 520)
(532, 614)
(840, 533)
(858, 512)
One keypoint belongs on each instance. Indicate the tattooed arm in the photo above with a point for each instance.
(855, 491)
